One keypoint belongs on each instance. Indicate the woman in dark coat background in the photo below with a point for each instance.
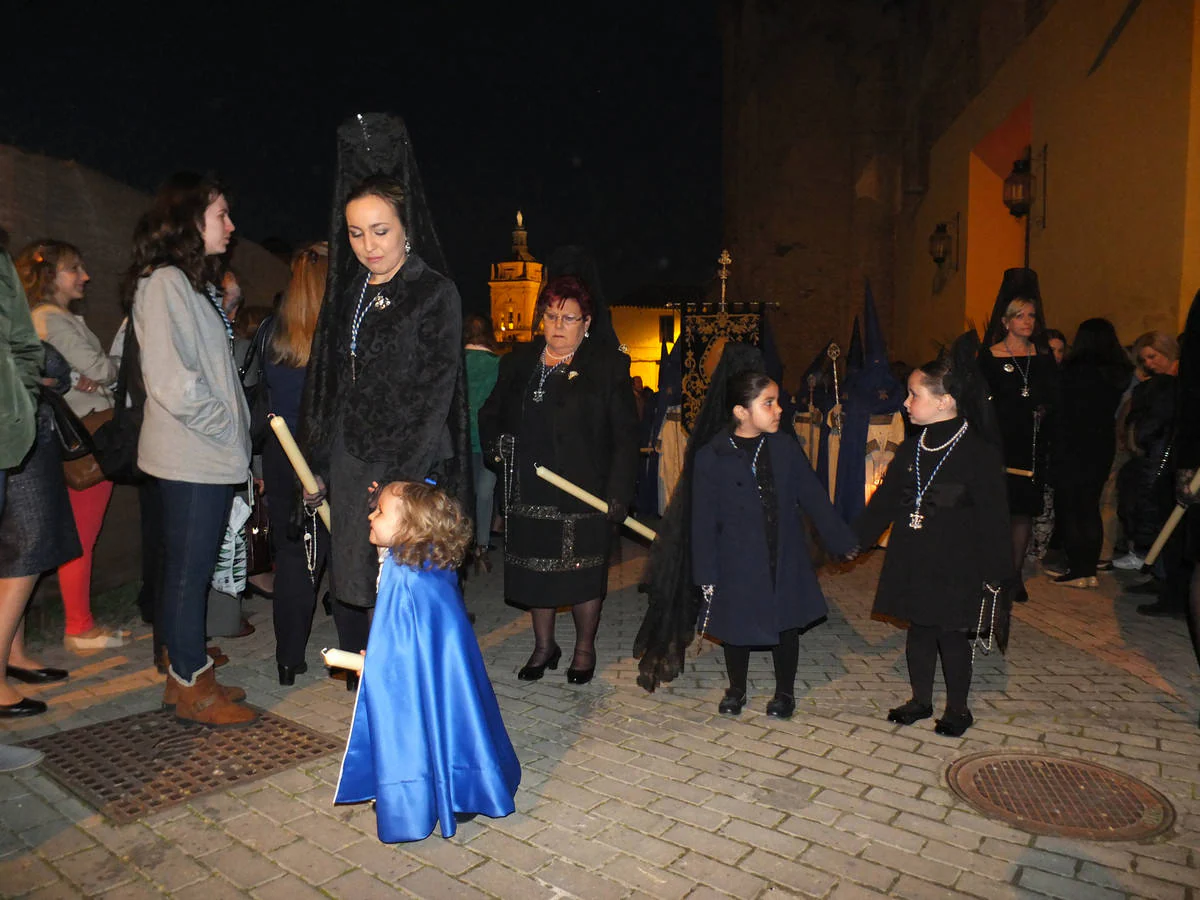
(749, 551)
(1093, 379)
(563, 401)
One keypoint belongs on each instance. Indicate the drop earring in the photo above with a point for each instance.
(587, 334)
(407, 246)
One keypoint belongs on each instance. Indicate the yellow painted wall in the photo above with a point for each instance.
(637, 329)
(1119, 175)
(997, 241)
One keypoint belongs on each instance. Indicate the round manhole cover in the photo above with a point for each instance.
(1058, 796)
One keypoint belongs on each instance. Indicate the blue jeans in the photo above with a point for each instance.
(194, 517)
(485, 487)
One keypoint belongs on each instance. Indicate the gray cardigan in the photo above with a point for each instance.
(196, 426)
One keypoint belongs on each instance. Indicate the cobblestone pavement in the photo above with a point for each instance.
(627, 794)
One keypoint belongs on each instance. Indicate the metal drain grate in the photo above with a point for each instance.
(142, 764)
(1054, 795)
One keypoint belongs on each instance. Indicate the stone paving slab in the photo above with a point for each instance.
(631, 795)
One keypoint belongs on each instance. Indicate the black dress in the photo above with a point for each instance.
(1025, 436)
(584, 428)
(934, 575)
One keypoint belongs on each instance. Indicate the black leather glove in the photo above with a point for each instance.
(617, 511)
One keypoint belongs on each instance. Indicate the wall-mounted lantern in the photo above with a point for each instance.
(943, 245)
(1023, 191)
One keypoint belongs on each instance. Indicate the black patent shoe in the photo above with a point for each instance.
(781, 706)
(36, 676)
(352, 681)
(287, 674)
(731, 704)
(910, 712)
(24, 707)
(531, 672)
(580, 676)
(954, 724)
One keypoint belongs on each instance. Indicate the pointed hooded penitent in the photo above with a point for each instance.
(873, 391)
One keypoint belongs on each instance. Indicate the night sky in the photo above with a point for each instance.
(600, 121)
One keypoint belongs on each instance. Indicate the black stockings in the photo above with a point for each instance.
(924, 644)
(587, 623)
(785, 655)
(1194, 612)
(1022, 531)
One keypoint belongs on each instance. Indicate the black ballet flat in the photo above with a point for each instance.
(352, 681)
(731, 704)
(25, 707)
(35, 676)
(910, 712)
(580, 676)
(287, 674)
(533, 673)
(954, 724)
(781, 706)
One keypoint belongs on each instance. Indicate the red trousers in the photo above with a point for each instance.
(75, 577)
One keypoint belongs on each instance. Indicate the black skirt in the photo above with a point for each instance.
(353, 559)
(37, 529)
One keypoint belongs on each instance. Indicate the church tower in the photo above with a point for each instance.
(514, 287)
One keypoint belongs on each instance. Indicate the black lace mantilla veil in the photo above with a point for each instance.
(1017, 282)
(966, 383)
(373, 144)
(669, 625)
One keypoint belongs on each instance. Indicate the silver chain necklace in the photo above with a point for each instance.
(916, 520)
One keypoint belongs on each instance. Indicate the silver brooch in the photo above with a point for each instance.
(381, 302)
(572, 375)
(1008, 367)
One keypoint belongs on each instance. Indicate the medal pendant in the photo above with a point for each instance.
(538, 395)
(915, 520)
(1024, 392)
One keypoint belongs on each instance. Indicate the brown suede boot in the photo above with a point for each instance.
(171, 693)
(202, 701)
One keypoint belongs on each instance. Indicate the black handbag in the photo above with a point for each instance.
(116, 441)
(257, 397)
(260, 552)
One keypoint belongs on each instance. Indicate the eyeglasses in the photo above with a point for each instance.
(555, 318)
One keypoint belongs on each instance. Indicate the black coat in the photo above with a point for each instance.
(935, 575)
(595, 421)
(407, 407)
(729, 541)
(1085, 429)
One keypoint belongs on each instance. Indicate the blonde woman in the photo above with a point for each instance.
(288, 347)
(54, 277)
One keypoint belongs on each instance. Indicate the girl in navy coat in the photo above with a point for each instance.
(749, 553)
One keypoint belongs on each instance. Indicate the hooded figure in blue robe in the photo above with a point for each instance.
(871, 391)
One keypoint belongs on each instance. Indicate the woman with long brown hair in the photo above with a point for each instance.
(195, 435)
(288, 347)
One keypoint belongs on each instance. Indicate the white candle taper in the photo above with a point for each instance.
(1171, 523)
(342, 659)
(591, 500)
(296, 458)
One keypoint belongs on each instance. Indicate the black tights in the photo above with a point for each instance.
(1022, 531)
(785, 655)
(587, 623)
(1194, 612)
(924, 644)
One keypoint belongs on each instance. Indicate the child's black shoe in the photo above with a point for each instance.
(732, 703)
(954, 724)
(781, 706)
(910, 712)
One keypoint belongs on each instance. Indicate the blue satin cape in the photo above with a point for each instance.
(427, 740)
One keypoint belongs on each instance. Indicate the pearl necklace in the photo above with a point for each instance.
(915, 519)
(544, 371)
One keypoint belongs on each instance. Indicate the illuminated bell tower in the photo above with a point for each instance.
(514, 286)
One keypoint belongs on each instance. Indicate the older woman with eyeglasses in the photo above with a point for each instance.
(563, 401)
